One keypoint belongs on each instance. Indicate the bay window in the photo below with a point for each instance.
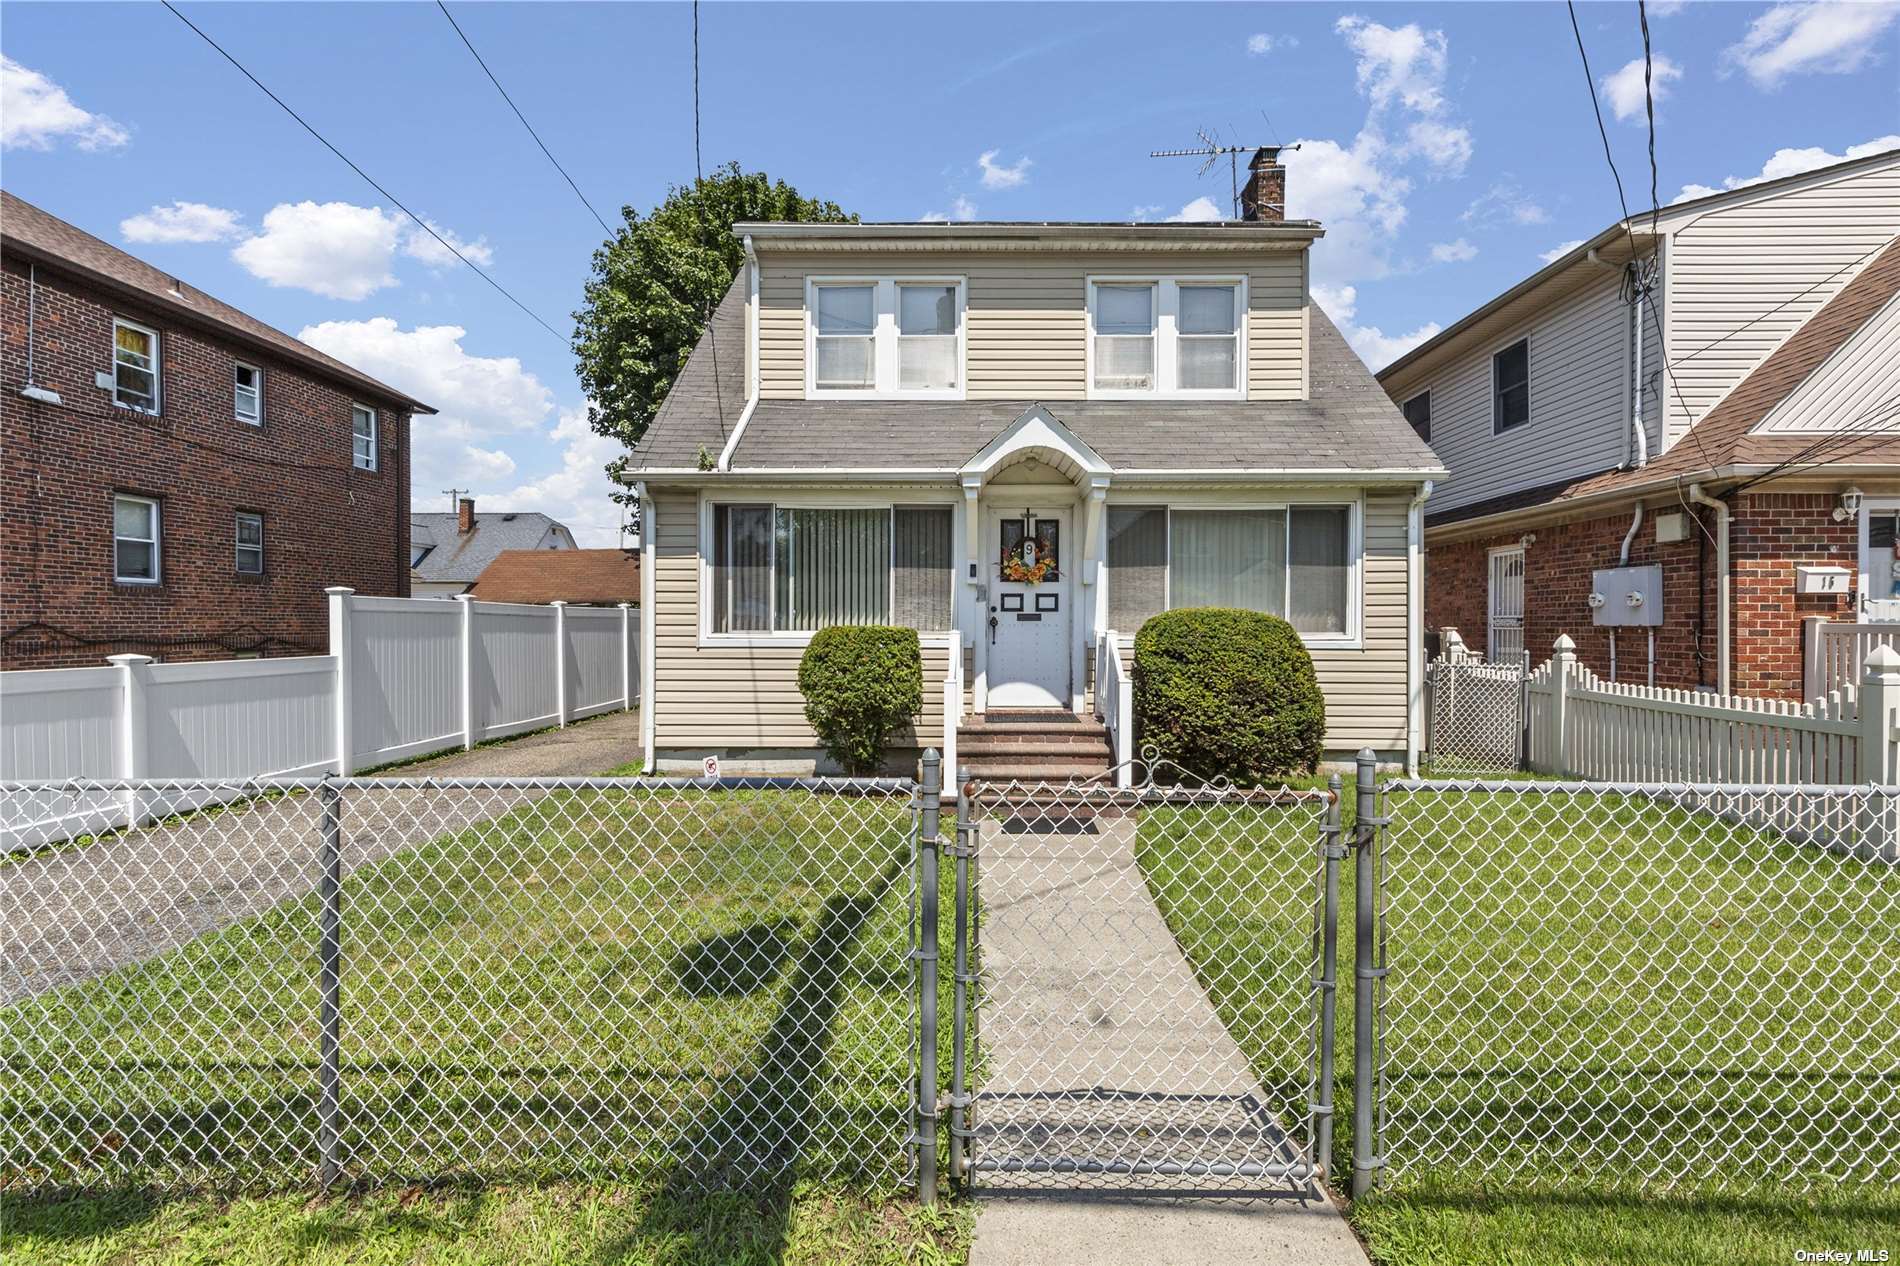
(898, 337)
(1167, 336)
(797, 569)
(1296, 562)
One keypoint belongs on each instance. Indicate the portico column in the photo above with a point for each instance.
(1094, 551)
(975, 576)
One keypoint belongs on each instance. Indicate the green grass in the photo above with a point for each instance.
(1589, 971)
(604, 1005)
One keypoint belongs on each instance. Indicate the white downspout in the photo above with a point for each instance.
(1636, 384)
(751, 356)
(1721, 583)
(1415, 627)
(648, 626)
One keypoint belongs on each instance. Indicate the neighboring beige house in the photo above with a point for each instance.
(1021, 439)
(1713, 393)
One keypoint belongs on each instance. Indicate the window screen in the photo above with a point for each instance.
(922, 584)
(1511, 386)
(1137, 566)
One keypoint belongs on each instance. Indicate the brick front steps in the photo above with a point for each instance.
(1032, 746)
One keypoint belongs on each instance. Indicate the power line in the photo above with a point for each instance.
(524, 119)
(367, 178)
(1649, 107)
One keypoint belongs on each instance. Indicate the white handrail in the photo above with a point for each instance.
(952, 706)
(1115, 706)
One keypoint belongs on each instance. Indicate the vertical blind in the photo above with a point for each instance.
(1138, 566)
(796, 570)
(1295, 563)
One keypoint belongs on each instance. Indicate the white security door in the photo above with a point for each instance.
(1506, 641)
(1030, 609)
(1880, 561)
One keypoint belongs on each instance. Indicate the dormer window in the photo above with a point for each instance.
(892, 337)
(1167, 336)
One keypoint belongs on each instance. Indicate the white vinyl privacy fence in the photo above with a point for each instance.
(404, 677)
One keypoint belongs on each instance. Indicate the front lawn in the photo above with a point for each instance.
(1619, 1031)
(603, 1004)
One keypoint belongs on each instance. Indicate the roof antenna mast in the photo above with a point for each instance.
(455, 498)
(1210, 150)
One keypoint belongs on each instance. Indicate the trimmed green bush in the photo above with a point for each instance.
(861, 683)
(1225, 693)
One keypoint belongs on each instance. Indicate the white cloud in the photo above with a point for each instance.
(960, 209)
(1832, 37)
(1259, 45)
(35, 113)
(1444, 145)
(1201, 210)
(1455, 252)
(1624, 87)
(1504, 202)
(1666, 8)
(1562, 249)
(1377, 348)
(334, 249)
(419, 245)
(1145, 212)
(578, 493)
(182, 222)
(997, 176)
(1792, 162)
(1403, 69)
(1357, 193)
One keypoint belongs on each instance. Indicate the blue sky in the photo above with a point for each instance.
(1446, 147)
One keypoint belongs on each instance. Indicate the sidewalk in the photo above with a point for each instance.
(1097, 1040)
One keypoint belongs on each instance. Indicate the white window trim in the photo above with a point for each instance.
(1491, 359)
(157, 540)
(258, 373)
(1352, 639)
(884, 372)
(1167, 315)
(784, 500)
(158, 368)
(239, 547)
(375, 435)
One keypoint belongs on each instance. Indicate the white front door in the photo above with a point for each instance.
(1030, 556)
(1506, 642)
(1880, 560)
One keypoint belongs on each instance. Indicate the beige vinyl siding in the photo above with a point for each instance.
(1365, 689)
(1730, 269)
(734, 697)
(1579, 401)
(1027, 314)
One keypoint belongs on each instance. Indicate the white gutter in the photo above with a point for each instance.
(1721, 583)
(1641, 435)
(751, 355)
(1263, 475)
(1415, 628)
(648, 626)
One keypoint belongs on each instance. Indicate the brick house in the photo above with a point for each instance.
(1631, 406)
(180, 479)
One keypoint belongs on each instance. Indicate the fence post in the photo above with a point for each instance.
(342, 650)
(1556, 753)
(1813, 656)
(133, 748)
(560, 661)
(626, 657)
(964, 849)
(1333, 850)
(1879, 711)
(927, 845)
(468, 670)
(330, 984)
(1366, 972)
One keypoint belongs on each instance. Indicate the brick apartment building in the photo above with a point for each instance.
(1632, 406)
(176, 477)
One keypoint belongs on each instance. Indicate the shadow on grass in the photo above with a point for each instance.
(734, 964)
(735, 1169)
(70, 1215)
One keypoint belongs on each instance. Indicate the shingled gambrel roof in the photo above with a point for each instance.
(1348, 423)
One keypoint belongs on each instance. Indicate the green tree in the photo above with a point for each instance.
(656, 281)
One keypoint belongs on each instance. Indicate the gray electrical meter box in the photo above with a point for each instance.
(1624, 597)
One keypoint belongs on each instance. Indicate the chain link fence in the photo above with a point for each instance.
(1476, 715)
(1153, 986)
(709, 982)
(1638, 986)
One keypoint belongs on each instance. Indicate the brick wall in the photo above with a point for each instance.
(325, 522)
(1770, 533)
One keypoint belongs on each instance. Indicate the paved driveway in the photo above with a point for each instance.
(70, 914)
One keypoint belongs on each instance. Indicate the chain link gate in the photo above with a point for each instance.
(1145, 985)
(1477, 714)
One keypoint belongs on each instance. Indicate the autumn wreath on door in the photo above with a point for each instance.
(1031, 550)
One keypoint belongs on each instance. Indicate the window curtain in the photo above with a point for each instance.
(1137, 566)
(834, 567)
(1229, 558)
(921, 587)
(742, 569)
(1319, 569)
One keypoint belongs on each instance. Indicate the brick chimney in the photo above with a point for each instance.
(1264, 195)
(465, 516)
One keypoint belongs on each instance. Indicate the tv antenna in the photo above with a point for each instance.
(455, 498)
(1210, 151)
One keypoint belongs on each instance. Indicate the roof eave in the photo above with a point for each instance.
(1252, 474)
(788, 235)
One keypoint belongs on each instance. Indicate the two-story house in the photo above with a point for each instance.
(177, 478)
(1698, 408)
(1023, 440)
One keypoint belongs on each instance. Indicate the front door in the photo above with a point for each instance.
(1030, 557)
(1506, 642)
(1880, 562)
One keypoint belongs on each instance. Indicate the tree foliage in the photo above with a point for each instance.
(657, 280)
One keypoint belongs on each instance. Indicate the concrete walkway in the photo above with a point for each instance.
(1098, 1042)
(69, 914)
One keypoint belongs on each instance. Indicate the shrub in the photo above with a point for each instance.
(1228, 693)
(861, 684)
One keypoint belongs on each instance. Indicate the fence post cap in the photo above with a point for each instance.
(558, 602)
(1883, 661)
(624, 605)
(128, 660)
(336, 589)
(1563, 644)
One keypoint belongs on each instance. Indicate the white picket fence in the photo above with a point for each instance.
(1832, 652)
(404, 677)
(1584, 727)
